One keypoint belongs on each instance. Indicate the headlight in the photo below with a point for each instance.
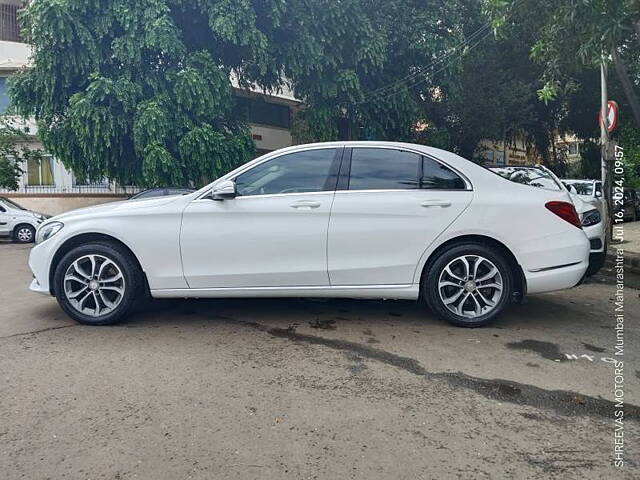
(48, 230)
(592, 217)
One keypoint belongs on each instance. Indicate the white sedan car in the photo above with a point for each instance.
(344, 219)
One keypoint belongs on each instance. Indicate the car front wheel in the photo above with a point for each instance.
(468, 285)
(24, 234)
(97, 283)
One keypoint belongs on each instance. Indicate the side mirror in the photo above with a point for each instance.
(598, 194)
(224, 190)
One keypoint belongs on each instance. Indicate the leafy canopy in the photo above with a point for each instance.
(139, 90)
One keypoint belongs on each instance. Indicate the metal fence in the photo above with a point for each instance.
(100, 188)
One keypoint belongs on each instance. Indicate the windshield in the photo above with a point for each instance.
(532, 176)
(13, 204)
(582, 188)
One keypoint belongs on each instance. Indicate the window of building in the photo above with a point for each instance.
(257, 110)
(9, 28)
(298, 172)
(573, 148)
(438, 176)
(4, 95)
(40, 172)
(383, 169)
(498, 158)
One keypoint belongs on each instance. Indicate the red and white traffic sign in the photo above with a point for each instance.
(612, 115)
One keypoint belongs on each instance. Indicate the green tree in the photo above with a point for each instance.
(14, 152)
(573, 36)
(139, 90)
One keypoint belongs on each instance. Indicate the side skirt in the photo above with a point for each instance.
(399, 292)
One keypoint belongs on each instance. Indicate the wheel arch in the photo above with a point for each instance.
(520, 282)
(82, 239)
(23, 224)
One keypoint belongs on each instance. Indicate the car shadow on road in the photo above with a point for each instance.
(544, 312)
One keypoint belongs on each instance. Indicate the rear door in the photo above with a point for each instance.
(390, 205)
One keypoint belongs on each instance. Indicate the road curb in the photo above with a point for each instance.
(631, 261)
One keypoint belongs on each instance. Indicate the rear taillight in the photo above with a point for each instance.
(565, 211)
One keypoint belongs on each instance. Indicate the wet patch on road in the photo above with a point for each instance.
(547, 350)
(329, 324)
(560, 401)
(592, 348)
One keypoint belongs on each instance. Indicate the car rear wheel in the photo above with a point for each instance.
(468, 285)
(24, 234)
(98, 283)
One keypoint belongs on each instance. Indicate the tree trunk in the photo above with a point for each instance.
(627, 86)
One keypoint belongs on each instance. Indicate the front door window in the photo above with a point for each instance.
(298, 172)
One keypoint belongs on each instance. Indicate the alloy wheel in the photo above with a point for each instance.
(470, 286)
(94, 285)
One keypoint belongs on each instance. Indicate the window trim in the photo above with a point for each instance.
(346, 152)
(345, 172)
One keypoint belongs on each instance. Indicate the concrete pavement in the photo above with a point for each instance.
(313, 389)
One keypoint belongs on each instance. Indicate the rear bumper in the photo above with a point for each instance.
(556, 278)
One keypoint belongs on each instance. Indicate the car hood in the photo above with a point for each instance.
(116, 207)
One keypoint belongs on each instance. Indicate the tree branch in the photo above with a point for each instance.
(623, 76)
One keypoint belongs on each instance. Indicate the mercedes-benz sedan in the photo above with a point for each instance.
(345, 219)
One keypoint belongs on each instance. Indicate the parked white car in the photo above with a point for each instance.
(17, 222)
(589, 191)
(343, 219)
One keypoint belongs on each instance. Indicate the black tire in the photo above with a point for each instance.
(133, 281)
(24, 233)
(431, 292)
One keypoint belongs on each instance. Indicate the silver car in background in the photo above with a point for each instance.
(17, 222)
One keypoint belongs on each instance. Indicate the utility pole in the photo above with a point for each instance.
(604, 145)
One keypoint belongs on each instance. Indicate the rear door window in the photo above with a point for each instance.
(383, 169)
(436, 176)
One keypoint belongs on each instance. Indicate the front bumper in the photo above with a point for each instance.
(36, 287)
(40, 263)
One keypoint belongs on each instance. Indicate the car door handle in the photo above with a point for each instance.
(305, 204)
(436, 203)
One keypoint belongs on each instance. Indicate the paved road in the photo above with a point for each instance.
(276, 389)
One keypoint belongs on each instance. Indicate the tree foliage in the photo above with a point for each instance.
(14, 152)
(574, 36)
(140, 90)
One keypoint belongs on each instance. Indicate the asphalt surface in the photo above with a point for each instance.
(275, 389)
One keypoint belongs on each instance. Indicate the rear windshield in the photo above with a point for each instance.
(534, 177)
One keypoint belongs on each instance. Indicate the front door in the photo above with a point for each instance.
(273, 234)
(393, 206)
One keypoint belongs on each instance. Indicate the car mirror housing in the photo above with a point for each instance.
(224, 190)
